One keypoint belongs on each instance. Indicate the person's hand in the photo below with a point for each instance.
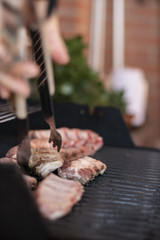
(13, 82)
(12, 76)
(55, 43)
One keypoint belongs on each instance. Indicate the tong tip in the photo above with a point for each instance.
(56, 138)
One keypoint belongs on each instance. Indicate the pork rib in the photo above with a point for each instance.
(42, 161)
(76, 143)
(55, 196)
(83, 169)
(72, 137)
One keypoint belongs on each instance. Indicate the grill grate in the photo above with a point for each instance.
(7, 114)
(124, 203)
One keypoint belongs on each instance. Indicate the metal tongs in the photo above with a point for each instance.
(44, 88)
(42, 58)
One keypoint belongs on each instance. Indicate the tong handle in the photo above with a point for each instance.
(43, 82)
(19, 106)
(19, 102)
(43, 59)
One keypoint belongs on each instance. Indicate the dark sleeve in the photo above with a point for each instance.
(52, 5)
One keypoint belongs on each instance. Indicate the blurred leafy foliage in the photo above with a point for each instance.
(76, 82)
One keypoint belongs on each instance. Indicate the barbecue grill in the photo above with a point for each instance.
(124, 203)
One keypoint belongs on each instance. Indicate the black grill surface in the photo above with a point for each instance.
(124, 203)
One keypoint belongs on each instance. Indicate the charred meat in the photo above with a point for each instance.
(44, 161)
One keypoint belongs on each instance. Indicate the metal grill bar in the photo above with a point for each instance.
(6, 113)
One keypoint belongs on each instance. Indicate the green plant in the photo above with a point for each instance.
(77, 82)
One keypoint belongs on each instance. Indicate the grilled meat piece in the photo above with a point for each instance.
(76, 138)
(40, 143)
(76, 144)
(44, 161)
(39, 134)
(56, 196)
(72, 137)
(83, 169)
(72, 153)
(68, 154)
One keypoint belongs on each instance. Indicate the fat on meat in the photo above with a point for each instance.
(39, 133)
(44, 161)
(82, 170)
(40, 143)
(55, 196)
(79, 137)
